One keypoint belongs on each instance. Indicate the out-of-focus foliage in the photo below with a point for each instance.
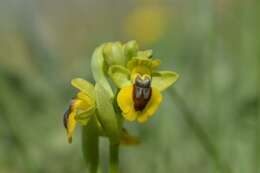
(211, 126)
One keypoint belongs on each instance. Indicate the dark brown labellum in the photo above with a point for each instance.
(141, 93)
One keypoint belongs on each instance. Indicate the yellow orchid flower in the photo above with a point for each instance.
(140, 86)
(81, 107)
(96, 107)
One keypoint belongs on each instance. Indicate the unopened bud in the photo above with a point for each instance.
(130, 49)
(113, 54)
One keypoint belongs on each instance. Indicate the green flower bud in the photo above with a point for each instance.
(145, 53)
(114, 54)
(130, 49)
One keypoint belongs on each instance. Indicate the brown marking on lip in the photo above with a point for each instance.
(142, 92)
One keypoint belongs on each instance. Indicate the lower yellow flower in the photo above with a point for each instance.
(140, 100)
(80, 108)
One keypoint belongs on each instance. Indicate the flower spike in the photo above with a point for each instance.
(102, 111)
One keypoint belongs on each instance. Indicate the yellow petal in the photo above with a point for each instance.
(131, 115)
(86, 101)
(155, 63)
(163, 79)
(71, 125)
(151, 106)
(142, 65)
(140, 70)
(126, 103)
(143, 62)
(84, 86)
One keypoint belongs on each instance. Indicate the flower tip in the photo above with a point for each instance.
(131, 48)
(113, 53)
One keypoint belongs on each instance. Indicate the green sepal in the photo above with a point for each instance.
(106, 114)
(163, 79)
(84, 86)
(119, 75)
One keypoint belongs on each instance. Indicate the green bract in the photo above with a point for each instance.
(98, 68)
(106, 114)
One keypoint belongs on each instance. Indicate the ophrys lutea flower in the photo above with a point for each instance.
(140, 86)
(101, 111)
(81, 107)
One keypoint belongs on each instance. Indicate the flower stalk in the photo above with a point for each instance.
(90, 145)
(114, 158)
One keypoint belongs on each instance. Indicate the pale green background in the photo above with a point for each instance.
(212, 126)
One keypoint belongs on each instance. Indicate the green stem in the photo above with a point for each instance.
(114, 158)
(90, 145)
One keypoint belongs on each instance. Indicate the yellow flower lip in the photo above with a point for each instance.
(139, 100)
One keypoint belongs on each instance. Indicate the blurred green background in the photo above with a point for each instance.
(208, 122)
